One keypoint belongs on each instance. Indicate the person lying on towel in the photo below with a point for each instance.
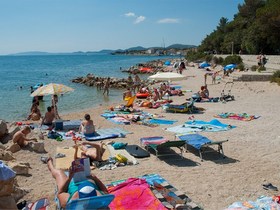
(69, 189)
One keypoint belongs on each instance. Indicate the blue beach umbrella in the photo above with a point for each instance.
(230, 66)
(204, 65)
(167, 63)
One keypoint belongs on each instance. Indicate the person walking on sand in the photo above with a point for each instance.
(54, 105)
(106, 86)
(20, 137)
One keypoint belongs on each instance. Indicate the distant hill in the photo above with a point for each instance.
(180, 46)
(138, 48)
(32, 53)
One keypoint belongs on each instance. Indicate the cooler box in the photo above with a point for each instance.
(58, 125)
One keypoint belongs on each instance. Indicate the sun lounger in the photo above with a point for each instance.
(201, 143)
(183, 108)
(161, 143)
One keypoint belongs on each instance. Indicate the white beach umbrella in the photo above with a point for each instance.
(52, 89)
(167, 76)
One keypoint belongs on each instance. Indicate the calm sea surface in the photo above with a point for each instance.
(26, 71)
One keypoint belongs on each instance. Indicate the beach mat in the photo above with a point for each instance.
(65, 162)
(113, 152)
(116, 130)
(137, 151)
(162, 121)
(107, 133)
(234, 116)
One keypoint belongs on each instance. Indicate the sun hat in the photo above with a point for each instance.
(86, 190)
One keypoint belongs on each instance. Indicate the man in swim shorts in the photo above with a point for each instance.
(48, 118)
(20, 137)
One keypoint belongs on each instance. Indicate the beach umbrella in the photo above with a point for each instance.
(230, 66)
(167, 76)
(52, 89)
(204, 65)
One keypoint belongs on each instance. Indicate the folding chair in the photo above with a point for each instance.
(157, 143)
(201, 143)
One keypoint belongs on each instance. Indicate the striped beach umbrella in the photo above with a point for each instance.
(52, 89)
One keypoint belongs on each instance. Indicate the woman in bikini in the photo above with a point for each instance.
(87, 127)
(69, 190)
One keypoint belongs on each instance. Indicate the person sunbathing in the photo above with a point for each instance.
(48, 118)
(204, 92)
(87, 127)
(92, 150)
(69, 190)
(20, 137)
(35, 113)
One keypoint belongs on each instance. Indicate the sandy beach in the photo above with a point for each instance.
(252, 151)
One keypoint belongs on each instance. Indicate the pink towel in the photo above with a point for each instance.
(134, 193)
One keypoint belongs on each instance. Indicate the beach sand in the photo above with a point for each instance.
(252, 151)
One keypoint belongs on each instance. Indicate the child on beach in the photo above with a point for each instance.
(20, 137)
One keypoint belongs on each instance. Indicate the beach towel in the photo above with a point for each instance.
(134, 193)
(196, 140)
(211, 126)
(65, 162)
(153, 140)
(71, 124)
(263, 202)
(114, 152)
(167, 194)
(115, 130)
(162, 121)
(119, 120)
(184, 129)
(234, 116)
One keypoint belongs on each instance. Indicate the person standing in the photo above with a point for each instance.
(137, 83)
(106, 86)
(54, 106)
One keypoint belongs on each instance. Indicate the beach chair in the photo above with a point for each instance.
(201, 143)
(187, 107)
(159, 143)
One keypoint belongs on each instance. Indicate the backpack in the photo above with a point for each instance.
(53, 135)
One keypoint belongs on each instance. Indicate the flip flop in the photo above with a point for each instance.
(269, 186)
(45, 159)
(60, 155)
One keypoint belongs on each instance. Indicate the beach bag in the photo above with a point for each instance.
(54, 135)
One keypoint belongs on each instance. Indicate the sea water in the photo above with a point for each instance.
(18, 73)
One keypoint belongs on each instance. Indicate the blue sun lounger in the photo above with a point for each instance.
(201, 143)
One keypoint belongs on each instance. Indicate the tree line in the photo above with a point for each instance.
(255, 29)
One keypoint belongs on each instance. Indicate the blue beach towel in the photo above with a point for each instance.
(211, 126)
(196, 140)
(162, 121)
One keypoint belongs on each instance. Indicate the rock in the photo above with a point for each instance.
(19, 193)
(6, 155)
(7, 202)
(19, 168)
(13, 129)
(3, 128)
(2, 146)
(7, 187)
(13, 147)
(38, 147)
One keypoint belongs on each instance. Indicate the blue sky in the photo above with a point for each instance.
(93, 25)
